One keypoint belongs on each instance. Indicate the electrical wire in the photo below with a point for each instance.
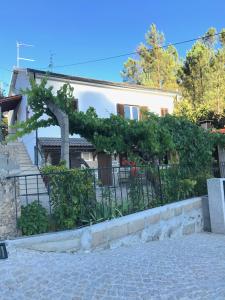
(135, 52)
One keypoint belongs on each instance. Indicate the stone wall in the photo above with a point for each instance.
(8, 159)
(9, 208)
(169, 221)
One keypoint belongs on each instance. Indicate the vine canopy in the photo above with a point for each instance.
(147, 140)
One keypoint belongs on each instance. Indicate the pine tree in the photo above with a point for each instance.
(155, 66)
(202, 80)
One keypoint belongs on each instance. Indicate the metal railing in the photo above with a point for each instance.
(79, 197)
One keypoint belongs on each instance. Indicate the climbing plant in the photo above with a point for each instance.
(144, 141)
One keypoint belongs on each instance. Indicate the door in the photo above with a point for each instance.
(105, 168)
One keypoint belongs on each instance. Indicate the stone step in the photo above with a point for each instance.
(28, 184)
(29, 167)
(19, 156)
(24, 163)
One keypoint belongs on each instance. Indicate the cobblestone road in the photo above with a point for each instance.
(192, 267)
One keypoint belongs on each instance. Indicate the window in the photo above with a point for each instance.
(87, 156)
(164, 111)
(131, 112)
(135, 113)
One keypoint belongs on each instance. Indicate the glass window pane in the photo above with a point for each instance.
(86, 155)
(127, 111)
(135, 112)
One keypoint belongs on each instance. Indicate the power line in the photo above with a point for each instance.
(135, 52)
(125, 54)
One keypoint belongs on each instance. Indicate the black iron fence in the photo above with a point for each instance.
(79, 197)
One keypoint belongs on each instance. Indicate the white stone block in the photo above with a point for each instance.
(216, 204)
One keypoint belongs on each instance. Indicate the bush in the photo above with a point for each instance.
(72, 195)
(180, 182)
(34, 219)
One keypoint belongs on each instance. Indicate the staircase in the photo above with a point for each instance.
(31, 184)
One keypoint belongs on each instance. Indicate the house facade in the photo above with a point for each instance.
(106, 97)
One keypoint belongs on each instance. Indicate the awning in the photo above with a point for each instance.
(10, 103)
(75, 143)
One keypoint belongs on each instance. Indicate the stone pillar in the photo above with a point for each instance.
(9, 207)
(221, 154)
(216, 189)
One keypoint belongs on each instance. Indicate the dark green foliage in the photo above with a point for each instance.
(180, 183)
(33, 219)
(72, 195)
(192, 143)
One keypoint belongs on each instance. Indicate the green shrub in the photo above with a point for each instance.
(72, 195)
(33, 219)
(180, 182)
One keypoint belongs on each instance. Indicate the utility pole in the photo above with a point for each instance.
(18, 58)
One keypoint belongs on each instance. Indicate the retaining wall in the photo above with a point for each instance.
(9, 208)
(169, 221)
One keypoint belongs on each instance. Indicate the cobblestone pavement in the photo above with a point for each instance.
(192, 267)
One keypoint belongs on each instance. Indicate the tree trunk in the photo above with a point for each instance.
(63, 122)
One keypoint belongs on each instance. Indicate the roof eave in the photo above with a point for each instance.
(100, 82)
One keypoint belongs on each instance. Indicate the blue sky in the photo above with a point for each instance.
(81, 30)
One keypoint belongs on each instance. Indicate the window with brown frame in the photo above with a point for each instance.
(131, 112)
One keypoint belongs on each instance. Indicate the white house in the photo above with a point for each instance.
(106, 97)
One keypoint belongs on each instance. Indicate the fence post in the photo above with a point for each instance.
(160, 184)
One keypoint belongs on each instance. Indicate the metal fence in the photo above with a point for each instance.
(64, 200)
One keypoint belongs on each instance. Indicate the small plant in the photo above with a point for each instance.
(34, 219)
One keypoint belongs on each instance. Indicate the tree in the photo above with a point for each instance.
(42, 101)
(202, 80)
(155, 66)
(194, 76)
(210, 37)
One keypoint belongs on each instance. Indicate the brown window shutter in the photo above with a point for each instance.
(75, 104)
(142, 110)
(164, 111)
(120, 109)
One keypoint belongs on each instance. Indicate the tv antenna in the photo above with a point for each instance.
(18, 58)
(50, 65)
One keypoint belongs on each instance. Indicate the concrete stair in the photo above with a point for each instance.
(31, 184)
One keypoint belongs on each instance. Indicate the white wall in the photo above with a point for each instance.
(105, 98)
(22, 82)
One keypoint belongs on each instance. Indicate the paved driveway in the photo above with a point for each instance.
(192, 267)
